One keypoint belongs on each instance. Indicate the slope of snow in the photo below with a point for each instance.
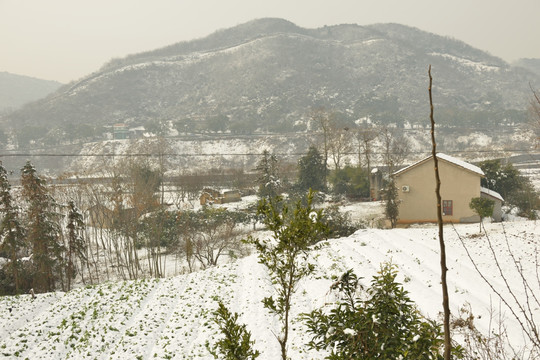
(475, 65)
(171, 318)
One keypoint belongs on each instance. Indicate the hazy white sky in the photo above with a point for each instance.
(64, 40)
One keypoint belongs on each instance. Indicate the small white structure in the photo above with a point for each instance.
(497, 198)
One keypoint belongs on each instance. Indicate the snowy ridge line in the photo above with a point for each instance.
(185, 60)
(478, 66)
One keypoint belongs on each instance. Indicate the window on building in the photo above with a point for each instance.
(447, 207)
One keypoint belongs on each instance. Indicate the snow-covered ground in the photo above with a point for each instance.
(171, 318)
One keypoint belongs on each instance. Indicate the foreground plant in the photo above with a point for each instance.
(380, 323)
(285, 256)
(236, 343)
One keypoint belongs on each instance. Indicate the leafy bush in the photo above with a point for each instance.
(338, 224)
(483, 207)
(159, 228)
(384, 324)
(516, 189)
(352, 182)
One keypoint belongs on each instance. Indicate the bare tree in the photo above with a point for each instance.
(216, 231)
(339, 143)
(395, 148)
(366, 137)
(522, 308)
(322, 118)
(444, 269)
(534, 110)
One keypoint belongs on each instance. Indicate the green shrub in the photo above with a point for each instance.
(338, 224)
(236, 343)
(352, 182)
(383, 324)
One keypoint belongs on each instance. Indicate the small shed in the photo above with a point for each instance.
(375, 184)
(497, 198)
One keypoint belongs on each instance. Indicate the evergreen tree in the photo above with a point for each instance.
(516, 189)
(43, 230)
(76, 245)
(268, 179)
(350, 181)
(391, 206)
(311, 171)
(11, 231)
(502, 178)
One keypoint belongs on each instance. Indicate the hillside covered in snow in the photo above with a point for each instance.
(171, 318)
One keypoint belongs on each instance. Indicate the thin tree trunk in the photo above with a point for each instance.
(444, 269)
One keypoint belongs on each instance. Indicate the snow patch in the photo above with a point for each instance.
(477, 66)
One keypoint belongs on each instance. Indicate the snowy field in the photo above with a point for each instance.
(171, 318)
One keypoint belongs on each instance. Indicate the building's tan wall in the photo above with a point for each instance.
(420, 203)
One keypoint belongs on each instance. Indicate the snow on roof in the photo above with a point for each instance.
(461, 163)
(491, 193)
(449, 159)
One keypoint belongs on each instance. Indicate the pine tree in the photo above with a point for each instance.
(43, 230)
(76, 245)
(11, 231)
(268, 179)
(311, 171)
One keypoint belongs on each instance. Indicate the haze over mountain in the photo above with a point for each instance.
(17, 90)
(268, 74)
(529, 64)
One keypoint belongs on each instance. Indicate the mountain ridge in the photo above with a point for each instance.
(268, 74)
(17, 90)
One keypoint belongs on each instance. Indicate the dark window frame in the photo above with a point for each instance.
(448, 207)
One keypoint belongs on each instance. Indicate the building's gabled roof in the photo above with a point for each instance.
(447, 158)
(491, 193)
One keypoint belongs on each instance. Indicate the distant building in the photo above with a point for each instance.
(120, 132)
(460, 182)
(101, 216)
(497, 199)
(212, 196)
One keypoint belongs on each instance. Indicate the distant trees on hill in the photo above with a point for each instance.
(516, 189)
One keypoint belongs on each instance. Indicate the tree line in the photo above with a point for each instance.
(126, 228)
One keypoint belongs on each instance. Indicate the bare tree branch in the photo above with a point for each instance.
(444, 269)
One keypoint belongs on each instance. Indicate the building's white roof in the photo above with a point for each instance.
(449, 159)
(491, 193)
(461, 163)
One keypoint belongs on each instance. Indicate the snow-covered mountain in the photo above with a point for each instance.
(269, 73)
(171, 318)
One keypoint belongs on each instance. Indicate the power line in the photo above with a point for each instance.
(241, 154)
